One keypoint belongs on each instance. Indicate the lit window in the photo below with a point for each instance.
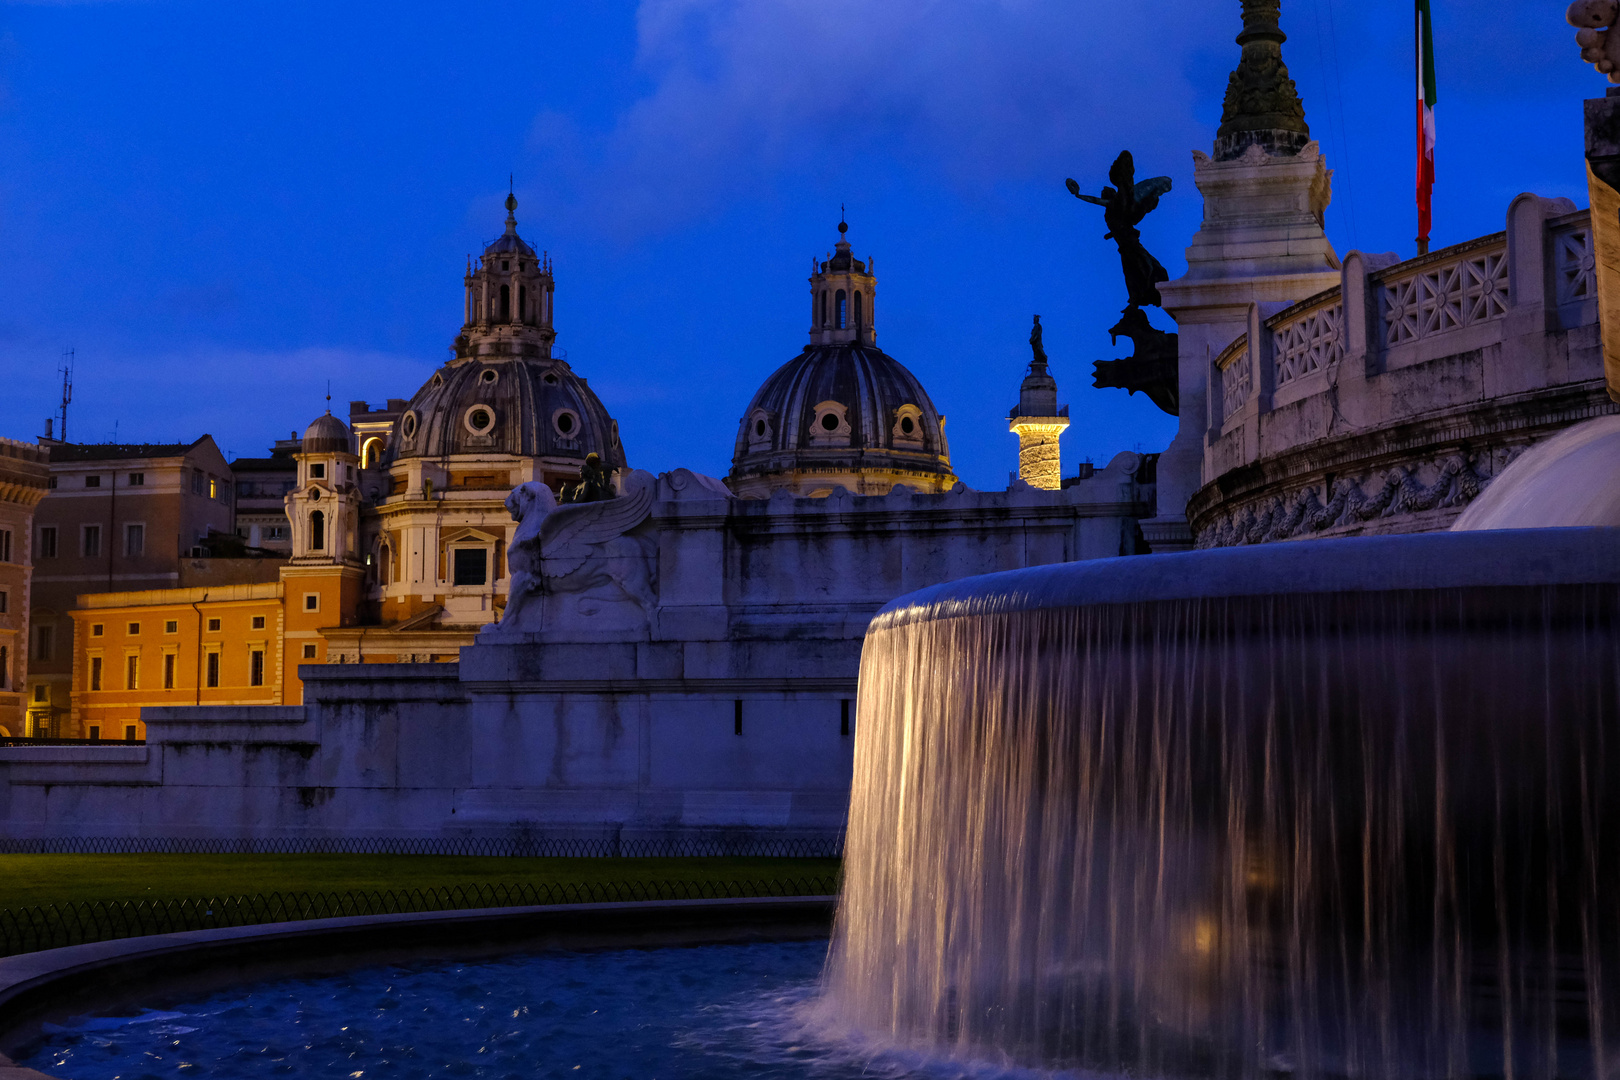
(213, 488)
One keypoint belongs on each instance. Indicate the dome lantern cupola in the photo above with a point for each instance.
(842, 289)
(508, 299)
(324, 507)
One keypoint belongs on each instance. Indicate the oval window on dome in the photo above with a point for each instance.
(407, 426)
(565, 423)
(551, 380)
(438, 381)
(829, 421)
(907, 425)
(759, 428)
(479, 419)
(488, 375)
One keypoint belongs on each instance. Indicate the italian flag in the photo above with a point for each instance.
(1425, 118)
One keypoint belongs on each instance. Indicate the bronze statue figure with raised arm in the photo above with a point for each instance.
(1124, 205)
(1153, 368)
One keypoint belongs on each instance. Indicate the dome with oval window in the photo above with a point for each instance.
(503, 392)
(842, 413)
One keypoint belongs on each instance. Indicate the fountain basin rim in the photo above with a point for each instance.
(1420, 561)
(32, 984)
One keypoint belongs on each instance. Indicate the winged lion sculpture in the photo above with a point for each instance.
(577, 547)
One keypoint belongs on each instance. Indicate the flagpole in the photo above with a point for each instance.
(1417, 56)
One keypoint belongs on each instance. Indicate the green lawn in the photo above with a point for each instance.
(29, 880)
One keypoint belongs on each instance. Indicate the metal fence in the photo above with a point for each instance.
(734, 845)
(51, 926)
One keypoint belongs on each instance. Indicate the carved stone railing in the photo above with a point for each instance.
(1236, 373)
(1451, 289)
(1574, 261)
(1307, 338)
(1388, 402)
(1408, 311)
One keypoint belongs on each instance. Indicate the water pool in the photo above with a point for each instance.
(712, 1011)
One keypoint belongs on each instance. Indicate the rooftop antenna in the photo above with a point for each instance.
(67, 390)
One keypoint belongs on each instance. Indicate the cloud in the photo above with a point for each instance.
(745, 94)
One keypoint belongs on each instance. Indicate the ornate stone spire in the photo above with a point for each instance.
(1262, 105)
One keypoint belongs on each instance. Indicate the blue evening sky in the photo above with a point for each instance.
(221, 206)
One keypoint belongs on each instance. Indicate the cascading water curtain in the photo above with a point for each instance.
(1357, 834)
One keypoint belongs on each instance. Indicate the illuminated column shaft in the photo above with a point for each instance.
(1039, 462)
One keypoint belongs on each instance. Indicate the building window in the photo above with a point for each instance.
(317, 471)
(213, 626)
(137, 479)
(97, 629)
(823, 320)
(42, 727)
(134, 541)
(133, 629)
(312, 601)
(309, 650)
(5, 601)
(258, 622)
(47, 541)
(196, 481)
(256, 667)
(168, 671)
(471, 565)
(95, 732)
(171, 626)
(841, 304)
(317, 531)
(90, 541)
(95, 673)
(857, 309)
(92, 481)
(129, 733)
(5, 545)
(213, 487)
(44, 642)
(42, 692)
(506, 304)
(132, 672)
(5, 668)
(212, 669)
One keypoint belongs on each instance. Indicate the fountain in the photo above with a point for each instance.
(1338, 808)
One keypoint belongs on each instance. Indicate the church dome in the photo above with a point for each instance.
(843, 413)
(527, 406)
(327, 435)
